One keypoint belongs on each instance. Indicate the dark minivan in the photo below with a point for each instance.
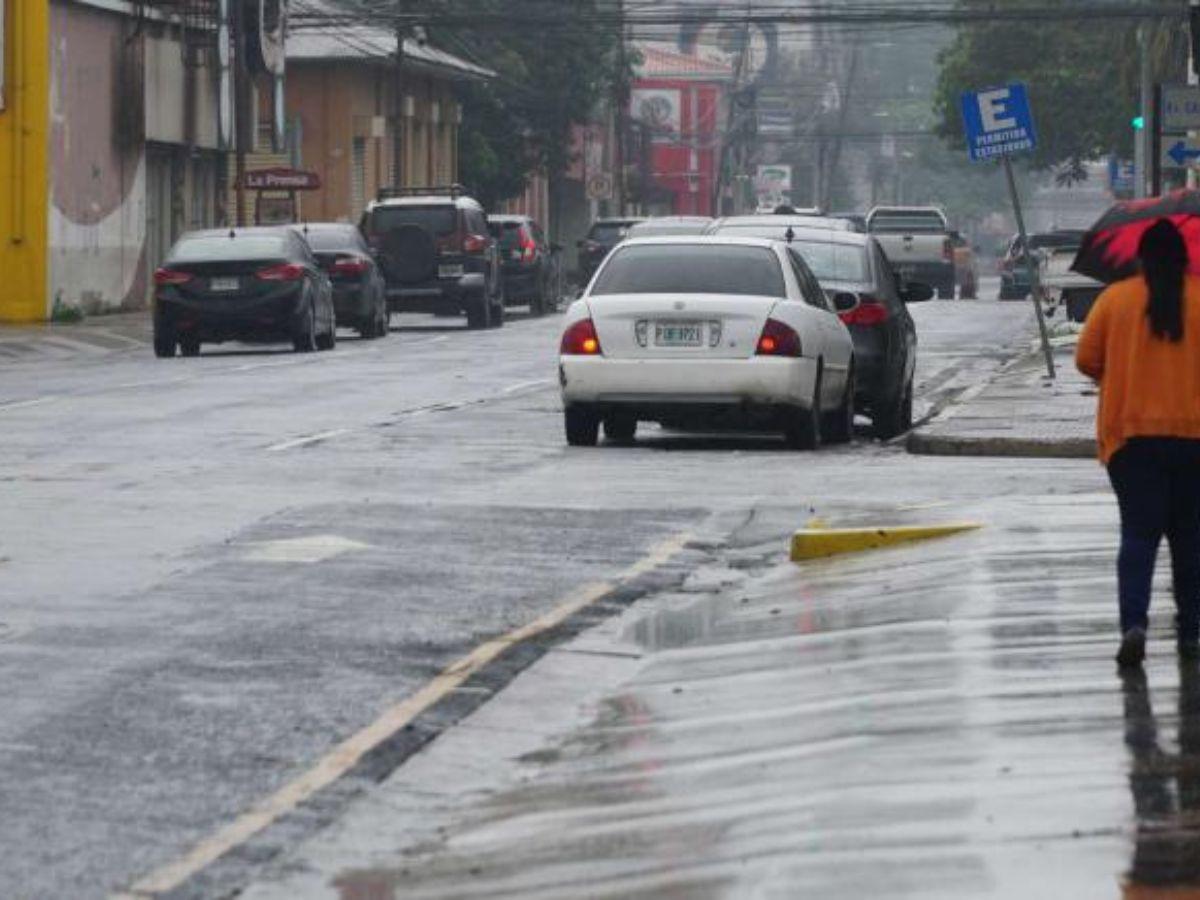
(529, 263)
(244, 284)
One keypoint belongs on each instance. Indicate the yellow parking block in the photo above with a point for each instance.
(816, 543)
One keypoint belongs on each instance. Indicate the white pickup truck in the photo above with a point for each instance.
(917, 242)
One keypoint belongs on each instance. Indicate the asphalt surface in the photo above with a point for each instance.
(212, 570)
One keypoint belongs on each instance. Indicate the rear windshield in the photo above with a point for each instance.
(223, 247)
(330, 239)
(508, 233)
(437, 220)
(691, 269)
(834, 262)
(907, 223)
(608, 232)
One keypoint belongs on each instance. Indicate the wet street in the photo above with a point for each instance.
(214, 571)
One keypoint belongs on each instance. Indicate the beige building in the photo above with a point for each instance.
(347, 106)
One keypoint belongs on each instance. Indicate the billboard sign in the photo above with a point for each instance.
(658, 110)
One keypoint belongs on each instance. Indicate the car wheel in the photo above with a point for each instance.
(803, 429)
(383, 325)
(945, 292)
(189, 347)
(838, 427)
(896, 417)
(305, 340)
(328, 340)
(478, 313)
(582, 426)
(620, 428)
(496, 319)
(164, 342)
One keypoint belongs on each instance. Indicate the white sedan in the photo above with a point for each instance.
(732, 332)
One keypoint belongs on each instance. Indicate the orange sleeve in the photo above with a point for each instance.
(1089, 353)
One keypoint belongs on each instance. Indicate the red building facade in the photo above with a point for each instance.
(677, 102)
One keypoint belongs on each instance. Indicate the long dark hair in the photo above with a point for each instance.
(1164, 257)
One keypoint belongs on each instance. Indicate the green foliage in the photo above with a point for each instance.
(1082, 78)
(554, 62)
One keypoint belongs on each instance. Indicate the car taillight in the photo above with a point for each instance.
(868, 312)
(349, 265)
(281, 272)
(778, 339)
(580, 340)
(473, 243)
(528, 248)
(170, 276)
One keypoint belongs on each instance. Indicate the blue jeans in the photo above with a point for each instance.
(1157, 481)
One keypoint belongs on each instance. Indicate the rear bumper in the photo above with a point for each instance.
(266, 318)
(521, 284)
(437, 294)
(658, 385)
(930, 273)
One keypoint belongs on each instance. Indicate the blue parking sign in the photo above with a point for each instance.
(998, 122)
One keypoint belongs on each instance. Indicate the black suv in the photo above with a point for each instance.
(436, 253)
(601, 238)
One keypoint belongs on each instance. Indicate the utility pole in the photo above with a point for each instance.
(732, 126)
(402, 29)
(1141, 157)
(1193, 62)
(241, 108)
(620, 101)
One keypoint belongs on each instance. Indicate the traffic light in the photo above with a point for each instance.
(1138, 123)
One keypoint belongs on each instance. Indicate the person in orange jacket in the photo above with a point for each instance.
(1141, 344)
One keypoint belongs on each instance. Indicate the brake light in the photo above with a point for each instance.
(778, 339)
(474, 243)
(580, 340)
(868, 312)
(528, 247)
(281, 272)
(349, 265)
(171, 276)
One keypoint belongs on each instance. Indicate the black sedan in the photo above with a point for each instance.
(359, 293)
(245, 284)
(856, 275)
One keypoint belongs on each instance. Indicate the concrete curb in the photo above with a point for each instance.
(820, 543)
(921, 444)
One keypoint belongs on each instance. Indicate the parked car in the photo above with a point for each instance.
(436, 253)
(244, 284)
(601, 238)
(1063, 287)
(774, 226)
(529, 263)
(724, 331)
(1015, 283)
(858, 277)
(966, 272)
(661, 225)
(917, 241)
(359, 294)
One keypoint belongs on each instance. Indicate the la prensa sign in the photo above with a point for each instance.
(280, 179)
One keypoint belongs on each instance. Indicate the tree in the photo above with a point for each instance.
(1082, 78)
(555, 61)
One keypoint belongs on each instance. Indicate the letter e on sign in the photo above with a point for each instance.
(993, 110)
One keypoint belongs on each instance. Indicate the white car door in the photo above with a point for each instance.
(837, 349)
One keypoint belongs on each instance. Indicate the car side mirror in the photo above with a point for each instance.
(916, 292)
(844, 302)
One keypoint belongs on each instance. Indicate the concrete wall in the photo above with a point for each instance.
(23, 161)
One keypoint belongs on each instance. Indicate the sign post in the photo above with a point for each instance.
(998, 124)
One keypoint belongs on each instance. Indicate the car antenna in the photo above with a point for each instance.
(789, 234)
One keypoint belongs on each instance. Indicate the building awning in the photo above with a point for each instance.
(320, 30)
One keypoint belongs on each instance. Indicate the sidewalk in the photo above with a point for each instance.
(1019, 413)
(937, 720)
(93, 336)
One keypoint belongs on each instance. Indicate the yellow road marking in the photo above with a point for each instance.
(347, 754)
(816, 543)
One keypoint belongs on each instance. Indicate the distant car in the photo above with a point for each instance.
(601, 238)
(1063, 287)
(359, 294)
(436, 253)
(1015, 283)
(856, 274)
(858, 221)
(774, 226)
(244, 284)
(723, 331)
(528, 262)
(966, 272)
(917, 241)
(665, 225)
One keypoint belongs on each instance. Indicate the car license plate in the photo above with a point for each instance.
(454, 271)
(223, 284)
(678, 334)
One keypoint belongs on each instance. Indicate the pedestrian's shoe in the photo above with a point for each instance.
(1133, 649)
